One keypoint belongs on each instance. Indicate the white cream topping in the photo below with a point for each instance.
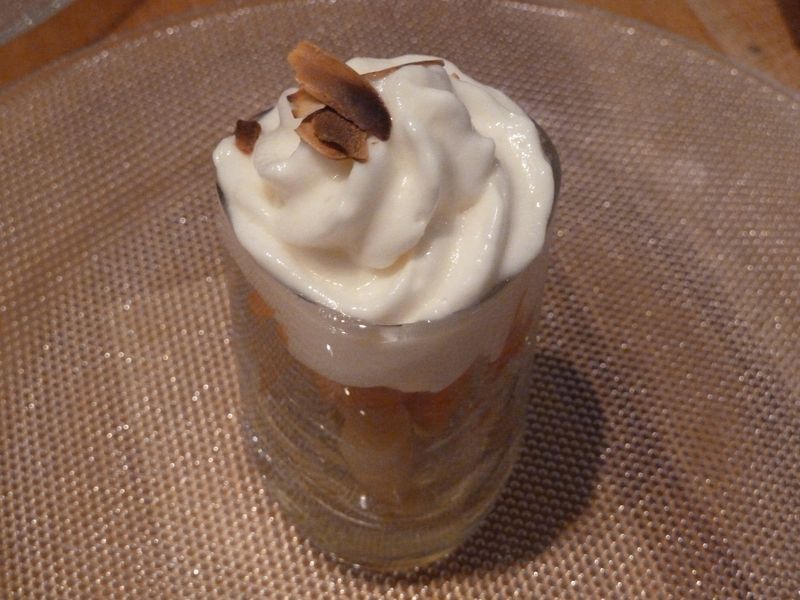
(454, 202)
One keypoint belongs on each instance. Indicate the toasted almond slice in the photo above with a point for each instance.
(303, 104)
(333, 83)
(373, 75)
(307, 133)
(332, 128)
(246, 134)
(333, 136)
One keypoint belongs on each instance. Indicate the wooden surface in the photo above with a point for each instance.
(761, 33)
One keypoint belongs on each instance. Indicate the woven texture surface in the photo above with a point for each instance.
(662, 454)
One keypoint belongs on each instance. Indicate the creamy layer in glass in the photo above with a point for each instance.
(453, 203)
(389, 220)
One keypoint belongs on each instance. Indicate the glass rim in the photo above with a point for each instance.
(552, 158)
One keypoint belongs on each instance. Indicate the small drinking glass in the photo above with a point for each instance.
(372, 447)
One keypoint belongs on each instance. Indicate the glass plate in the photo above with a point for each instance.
(662, 450)
(17, 16)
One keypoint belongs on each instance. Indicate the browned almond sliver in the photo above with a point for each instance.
(333, 83)
(306, 132)
(373, 75)
(303, 104)
(333, 136)
(246, 134)
(332, 128)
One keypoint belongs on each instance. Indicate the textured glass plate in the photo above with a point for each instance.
(17, 16)
(662, 453)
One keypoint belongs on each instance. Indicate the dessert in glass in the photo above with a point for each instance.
(386, 224)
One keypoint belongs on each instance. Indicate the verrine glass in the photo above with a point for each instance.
(384, 444)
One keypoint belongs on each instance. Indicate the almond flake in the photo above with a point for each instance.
(333, 136)
(338, 86)
(303, 104)
(373, 75)
(246, 135)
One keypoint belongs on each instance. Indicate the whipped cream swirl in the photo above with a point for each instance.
(455, 202)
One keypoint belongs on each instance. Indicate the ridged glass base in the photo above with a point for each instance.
(384, 479)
